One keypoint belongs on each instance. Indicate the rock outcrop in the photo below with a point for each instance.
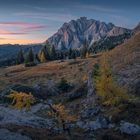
(129, 128)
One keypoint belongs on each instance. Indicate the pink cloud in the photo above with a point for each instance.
(20, 23)
(24, 27)
(1, 38)
(8, 32)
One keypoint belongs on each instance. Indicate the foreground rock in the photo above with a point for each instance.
(78, 92)
(99, 123)
(90, 112)
(129, 128)
(23, 117)
(45, 90)
(7, 135)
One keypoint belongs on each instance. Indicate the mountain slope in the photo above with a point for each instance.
(136, 29)
(74, 33)
(125, 60)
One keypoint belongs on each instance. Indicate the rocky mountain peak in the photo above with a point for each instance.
(75, 32)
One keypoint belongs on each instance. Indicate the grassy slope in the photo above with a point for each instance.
(70, 70)
(125, 60)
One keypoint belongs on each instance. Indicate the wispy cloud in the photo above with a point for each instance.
(34, 28)
(96, 8)
(60, 17)
(120, 20)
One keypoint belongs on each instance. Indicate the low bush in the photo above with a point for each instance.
(64, 86)
(31, 64)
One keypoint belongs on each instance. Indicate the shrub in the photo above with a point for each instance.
(21, 100)
(64, 85)
(31, 64)
(62, 116)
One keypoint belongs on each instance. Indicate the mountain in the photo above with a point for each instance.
(74, 33)
(8, 52)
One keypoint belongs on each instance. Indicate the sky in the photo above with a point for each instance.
(33, 21)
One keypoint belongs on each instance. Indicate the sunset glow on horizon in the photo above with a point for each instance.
(20, 41)
(33, 21)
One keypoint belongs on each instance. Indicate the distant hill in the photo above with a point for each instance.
(74, 33)
(8, 52)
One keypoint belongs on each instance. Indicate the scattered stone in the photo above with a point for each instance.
(100, 122)
(129, 128)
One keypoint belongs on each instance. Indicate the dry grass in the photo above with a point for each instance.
(126, 54)
(55, 70)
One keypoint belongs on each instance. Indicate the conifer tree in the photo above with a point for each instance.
(73, 55)
(53, 53)
(84, 50)
(70, 53)
(30, 56)
(20, 57)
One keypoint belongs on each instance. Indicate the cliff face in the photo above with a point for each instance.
(74, 33)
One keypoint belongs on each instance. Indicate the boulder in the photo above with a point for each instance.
(73, 95)
(27, 118)
(7, 135)
(81, 124)
(90, 85)
(90, 112)
(78, 92)
(129, 128)
(101, 122)
(45, 90)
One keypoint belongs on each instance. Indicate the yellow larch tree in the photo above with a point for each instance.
(106, 87)
(62, 115)
(21, 100)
